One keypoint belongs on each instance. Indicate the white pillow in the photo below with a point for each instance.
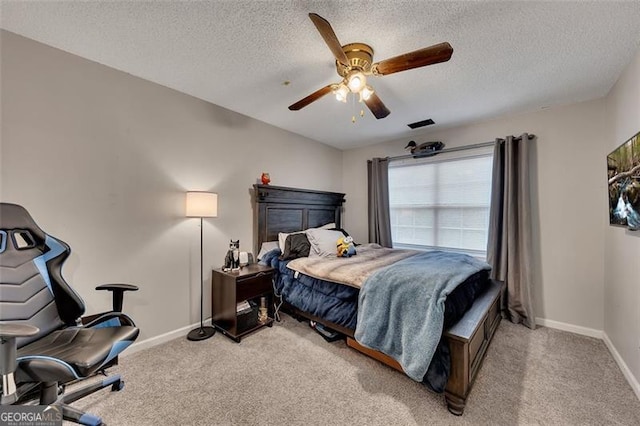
(282, 237)
(323, 242)
(267, 247)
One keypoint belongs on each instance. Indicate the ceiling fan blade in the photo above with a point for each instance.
(377, 107)
(325, 30)
(419, 58)
(311, 98)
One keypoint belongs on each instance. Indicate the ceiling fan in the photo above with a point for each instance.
(354, 62)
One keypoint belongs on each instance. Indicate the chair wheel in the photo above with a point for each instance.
(117, 386)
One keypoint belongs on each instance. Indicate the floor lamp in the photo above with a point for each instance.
(201, 204)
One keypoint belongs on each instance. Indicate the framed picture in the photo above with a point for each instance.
(623, 171)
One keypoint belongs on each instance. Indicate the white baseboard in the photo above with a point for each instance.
(160, 339)
(623, 365)
(598, 334)
(585, 331)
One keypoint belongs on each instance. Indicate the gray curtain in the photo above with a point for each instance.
(379, 221)
(509, 249)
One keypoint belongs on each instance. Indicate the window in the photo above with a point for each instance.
(441, 203)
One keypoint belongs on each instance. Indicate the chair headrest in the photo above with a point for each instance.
(14, 216)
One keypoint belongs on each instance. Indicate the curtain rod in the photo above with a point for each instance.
(455, 148)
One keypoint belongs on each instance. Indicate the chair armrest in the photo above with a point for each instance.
(118, 290)
(9, 332)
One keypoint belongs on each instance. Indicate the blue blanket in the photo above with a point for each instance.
(401, 307)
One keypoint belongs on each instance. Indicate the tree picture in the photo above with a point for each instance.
(623, 170)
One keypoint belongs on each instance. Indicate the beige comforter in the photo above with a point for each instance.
(352, 271)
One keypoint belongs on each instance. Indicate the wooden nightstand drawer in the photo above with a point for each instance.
(246, 288)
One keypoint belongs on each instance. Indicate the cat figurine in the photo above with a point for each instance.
(232, 259)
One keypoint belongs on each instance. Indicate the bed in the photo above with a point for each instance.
(471, 310)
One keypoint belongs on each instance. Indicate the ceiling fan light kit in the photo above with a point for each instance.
(354, 62)
(366, 93)
(356, 81)
(341, 91)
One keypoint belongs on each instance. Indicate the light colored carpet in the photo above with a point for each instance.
(289, 375)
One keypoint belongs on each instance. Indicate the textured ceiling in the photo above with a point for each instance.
(509, 57)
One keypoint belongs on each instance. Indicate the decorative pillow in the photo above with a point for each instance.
(295, 246)
(267, 247)
(282, 236)
(323, 242)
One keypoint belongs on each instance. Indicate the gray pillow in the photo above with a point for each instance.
(295, 246)
(323, 242)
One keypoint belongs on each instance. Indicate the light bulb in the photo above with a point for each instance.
(356, 81)
(366, 93)
(341, 93)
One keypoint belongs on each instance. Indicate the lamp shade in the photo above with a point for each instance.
(202, 204)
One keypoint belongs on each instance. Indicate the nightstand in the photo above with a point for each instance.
(228, 289)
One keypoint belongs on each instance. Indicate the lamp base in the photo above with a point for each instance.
(201, 333)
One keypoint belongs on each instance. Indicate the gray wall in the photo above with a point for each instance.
(568, 201)
(102, 159)
(622, 247)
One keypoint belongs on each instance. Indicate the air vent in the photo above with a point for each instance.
(421, 123)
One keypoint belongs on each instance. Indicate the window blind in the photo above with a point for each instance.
(441, 203)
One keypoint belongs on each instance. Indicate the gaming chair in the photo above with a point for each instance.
(45, 345)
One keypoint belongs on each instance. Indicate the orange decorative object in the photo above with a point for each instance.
(265, 178)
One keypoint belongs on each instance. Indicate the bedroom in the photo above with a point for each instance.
(114, 153)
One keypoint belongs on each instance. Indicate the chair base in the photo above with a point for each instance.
(201, 333)
(49, 395)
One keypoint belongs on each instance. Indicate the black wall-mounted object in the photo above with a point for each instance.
(424, 149)
(423, 123)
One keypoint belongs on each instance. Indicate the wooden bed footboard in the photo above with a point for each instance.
(468, 341)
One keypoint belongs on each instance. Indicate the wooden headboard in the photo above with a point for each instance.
(281, 209)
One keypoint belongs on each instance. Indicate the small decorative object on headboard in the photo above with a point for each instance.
(265, 179)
